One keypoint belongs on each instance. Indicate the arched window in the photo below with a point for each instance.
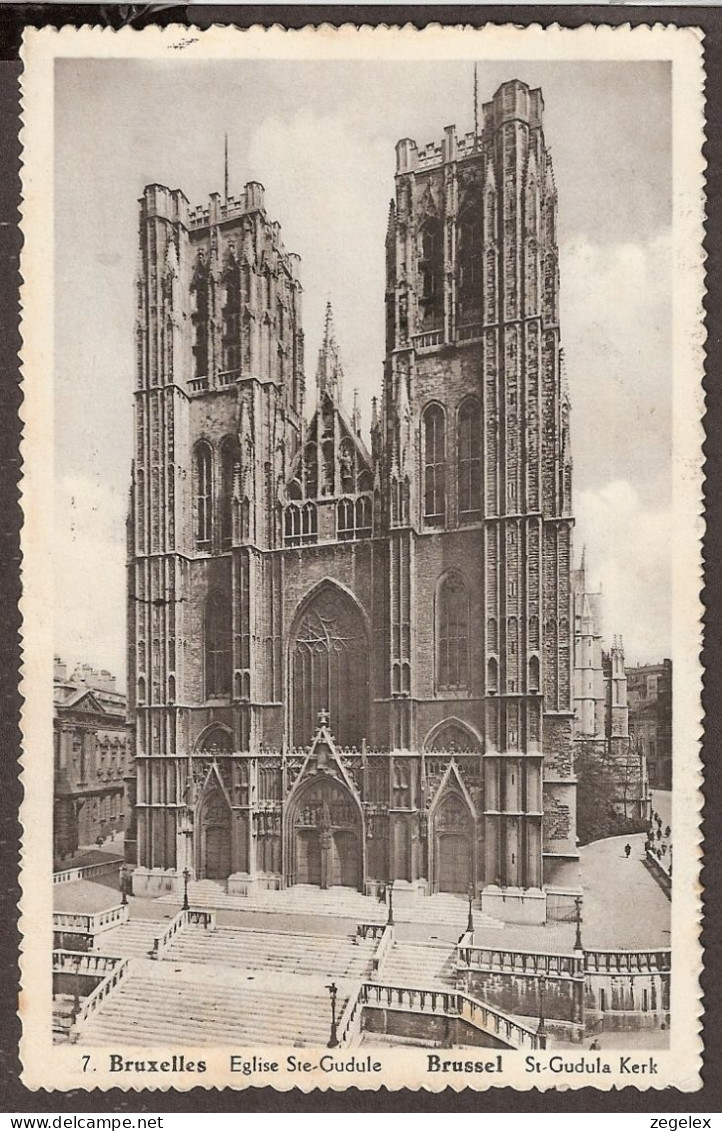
(330, 669)
(431, 275)
(218, 646)
(204, 496)
(309, 524)
(345, 520)
(231, 317)
(469, 461)
(470, 266)
(452, 652)
(230, 467)
(310, 471)
(363, 517)
(292, 526)
(534, 673)
(434, 466)
(199, 295)
(492, 676)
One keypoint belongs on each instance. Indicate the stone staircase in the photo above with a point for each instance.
(165, 1006)
(420, 964)
(337, 956)
(133, 939)
(442, 909)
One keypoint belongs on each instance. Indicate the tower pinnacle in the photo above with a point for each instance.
(329, 373)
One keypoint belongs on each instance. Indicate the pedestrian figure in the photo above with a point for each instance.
(595, 1045)
(627, 850)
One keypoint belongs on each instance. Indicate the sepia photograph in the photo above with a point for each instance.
(368, 694)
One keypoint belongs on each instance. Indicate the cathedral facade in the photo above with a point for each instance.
(350, 663)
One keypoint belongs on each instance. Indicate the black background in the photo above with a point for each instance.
(13, 1096)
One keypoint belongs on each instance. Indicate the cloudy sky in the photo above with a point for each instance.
(321, 137)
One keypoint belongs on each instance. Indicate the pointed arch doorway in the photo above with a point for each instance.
(326, 843)
(214, 841)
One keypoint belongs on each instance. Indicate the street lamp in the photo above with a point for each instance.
(76, 1001)
(578, 939)
(390, 917)
(186, 877)
(333, 990)
(470, 921)
(541, 1030)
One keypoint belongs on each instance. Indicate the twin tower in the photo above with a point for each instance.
(350, 660)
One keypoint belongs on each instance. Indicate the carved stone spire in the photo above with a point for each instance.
(329, 374)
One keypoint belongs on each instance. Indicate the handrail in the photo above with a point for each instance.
(651, 961)
(184, 918)
(453, 1003)
(349, 1024)
(382, 952)
(70, 875)
(90, 922)
(101, 991)
(83, 962)
(370, 930)
(533, 963)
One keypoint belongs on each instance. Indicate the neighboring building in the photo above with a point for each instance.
(650, 718)
(92, 758)
(413, 593)
(601, 725)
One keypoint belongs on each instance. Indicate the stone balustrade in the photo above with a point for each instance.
(504, 961)
(628, 962)
(83, 962)
(89, 923)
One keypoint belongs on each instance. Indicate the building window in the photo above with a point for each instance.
(354, 519)
(204, 497)
(199, 297)
(300, 525)
(434, 466)
(218, 647)
(452, 654)
(431, 274)
(471, 261)
(469, 456)
(232, 317)
(310, 471)
(230, 472)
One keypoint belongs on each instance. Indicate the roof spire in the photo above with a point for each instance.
(329, 373)
(225, 170)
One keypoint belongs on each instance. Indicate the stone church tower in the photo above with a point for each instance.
(352, 665)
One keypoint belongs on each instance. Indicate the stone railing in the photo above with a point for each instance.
(467, 333)
(451, 1003)
(182, 920)
(626, 962)
(382, 952)
(348, 1029)
(428, 339)
(504, 961)
(89, 923)
(87, 871)
(101, 991)
(84, 963)
(198, 385)
(370, 930)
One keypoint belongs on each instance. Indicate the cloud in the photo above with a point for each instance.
(89, 552)
(628, 553)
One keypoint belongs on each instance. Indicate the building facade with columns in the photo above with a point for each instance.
(351, 661)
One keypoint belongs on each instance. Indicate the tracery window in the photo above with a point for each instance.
(232, 317)
(218, 646)
(204, 495)
(434, 466)
(470, 266)
(469, 461)
(230, 470)
(199, 294)
(330, 658)
(431, 274)
(310, 471)
(452, 652)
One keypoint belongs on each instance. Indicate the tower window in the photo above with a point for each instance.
(204, 499)
(232, 317)
(431, 271)
(434, 466)
(453, 635)
(469, 457)
(230, 474)
(470, 266)
(218, 647)
(199, 294)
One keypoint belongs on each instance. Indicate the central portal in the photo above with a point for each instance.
(326, 837)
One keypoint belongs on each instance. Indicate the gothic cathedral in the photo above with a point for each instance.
(350, 663)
